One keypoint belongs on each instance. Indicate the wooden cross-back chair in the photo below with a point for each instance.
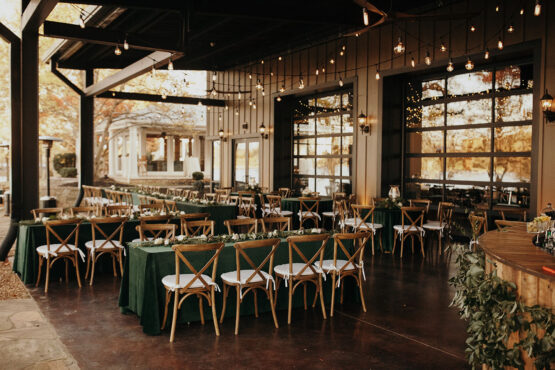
(443, 224)
(110, 196)
(363, 220)
(352, 266)
(171, 205)
(152, 207)
(301, 273)
(158, 219)
(412, 220)
(144, 199)
(284, 192)
(241, 225)
(185, 193)
(502, 224)
(86, 211)
(96, 198)
(60, 247)
(247, 207)
(111, 244)
(275, 223)
(252, 279)
(425, 203)
(165, 231)
(47, 212)
(222, 194)
(193, 194)
(233, 199)
(211, 197)
(118, 210)
(477, 227)
(308, 210)
(88, 195)
(191, 217)
(482, 211)
(337, 197)
(124, 197)
(195, 283)
(517, 214)
(273, 207)
(198, 227)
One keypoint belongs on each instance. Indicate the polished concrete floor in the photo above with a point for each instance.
(409, 325)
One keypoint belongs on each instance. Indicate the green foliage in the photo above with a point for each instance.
(389, 203)
(68, 172)
(493, 311)
(198, 176)
(63, 160)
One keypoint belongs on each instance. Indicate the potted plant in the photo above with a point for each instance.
(198, 183)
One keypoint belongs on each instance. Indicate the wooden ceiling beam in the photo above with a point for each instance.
(35, 13)
(158, 98)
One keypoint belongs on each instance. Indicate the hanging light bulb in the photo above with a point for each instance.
(214, 92)
(522, 11)
(365, 16)
(236, 112)
(332, 61)
(399, 48)
(227, 107)
(250, 102)
(428, 59)
(214, 76)
(280, 58)
(220, 117)
(239, 95)
(199, 103)
(82, 20)
(443, 48)
(472, 28)
(500, 44)
(250, 76)
(323, 69)
(125, 44)
(253, 105)
(117, 50)
(341, 81)
(378, 74)
(208, 108)
(537, 8)
(258, 84)
(153, 70)
(170, 65)
(263, 92)
(282, 89)
(469, 65)
(317, 71)
(486, 54)
(412, 62)
(450, 66)
(301, 83)
(511, 29)
(278, 98)
(497, 8)
(164, 95)
(271, 73)
(262, 61)
(341, 53)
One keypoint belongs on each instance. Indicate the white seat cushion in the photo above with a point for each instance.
(184, 279)
(241, 217)
(99, 243)
(330, 214)
(434, 225)
(231, 277)
(306, 214)
(407, 228)
(43, 249)
(283, 270)
(138, 240)
(327, 265)
(357, 223)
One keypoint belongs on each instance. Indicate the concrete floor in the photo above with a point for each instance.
(408, 326)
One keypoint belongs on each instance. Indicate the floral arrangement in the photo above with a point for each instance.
(389, 203)
(539, 224)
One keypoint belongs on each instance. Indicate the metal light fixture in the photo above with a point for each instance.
(117, 50)
(546, 104)
(450, 66)
(428, 59)
(469, 65)
(537, 8)
(262, 130)
(363, 123)
(221, 134)
(399, 48)
(365, 18)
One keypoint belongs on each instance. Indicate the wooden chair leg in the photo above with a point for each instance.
(273, 308)
(402, 244)
(201, 308)
(381, 244)
(341, 296)
(40, 270)
(88, 264)
(320, 289)
(304, 296)
(332, 293)
(76, 260)
(237, 309)
(361, 290)
(372, 242)
(290, 303)
(93, 261)
(168, 296)
(114, 265)
(315, 296)
(395, 243)
(174, 317)
(214, 315)
(439, 241)
(67, 269)
(47, 275)
(120, 259)
(278, 282)
(255, 303)
(224, 303)
(421, 245)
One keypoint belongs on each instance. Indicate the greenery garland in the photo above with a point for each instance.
(493, 311)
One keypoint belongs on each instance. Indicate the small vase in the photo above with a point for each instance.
(394, 192)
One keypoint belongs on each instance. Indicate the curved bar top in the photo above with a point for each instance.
(513, 246)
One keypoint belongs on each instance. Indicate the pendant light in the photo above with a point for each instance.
(537, 8)
(486, 54)
(117, 50)
(450, 66)
(469, 65)
(428, 59)
(365, 17)
(400, 47)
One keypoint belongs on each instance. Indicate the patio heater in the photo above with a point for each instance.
(48, 201)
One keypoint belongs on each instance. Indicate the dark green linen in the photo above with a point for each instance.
(293, 205)
(388, 218)
(143, 293)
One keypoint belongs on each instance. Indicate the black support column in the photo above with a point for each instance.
(86, 138)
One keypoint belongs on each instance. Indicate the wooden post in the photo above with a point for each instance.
(86, 138)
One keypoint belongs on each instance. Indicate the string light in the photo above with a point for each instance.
(153, 70)
(262, 61)
(271, 73)
(469, 65)
(486, 54)
(250, 76)
(341, 81)
(378, 74)
(497, 8)
(253, 105)
(412, 62)
(117, 50)
(365, 16)
(332, 61)
(170, 65)
(472, 28)
(301, 83)
(220, 117)
(450, 66)
(164, 96)
(258, 84)
(263, 92)
(317, 71)
(399, 48)
(227, 107)
(278, 98)
(500, 44)
(250, 102)
(341, 53)
(282, 89)
(214, 76)
(236, 112)
(125, 44)
(522, 11)
(443, 48)
(280, 58)
(537, 8)
(82, 20)
(427, 59)
(511, 29)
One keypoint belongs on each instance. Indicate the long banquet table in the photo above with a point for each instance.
(142, 291)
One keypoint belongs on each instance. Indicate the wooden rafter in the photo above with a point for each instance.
(158, 98)
(35, 13)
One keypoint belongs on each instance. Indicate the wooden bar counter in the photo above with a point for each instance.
(518, 260)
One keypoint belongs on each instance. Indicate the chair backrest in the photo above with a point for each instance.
(338, 195)
(365, 222)
(96, 226)
(193, 194)
(233, 199)
(198, 227)
(240, 251)
(309, 204)
(171, 205)
(284, 192)
(295, 241)
(247, 206)
(476, 224)
(420, 203)
(211, 197)
(56, 227)
(152, 207)
(250, 225)
(275, 223)
(167, 231)
(185, 193)
(501, 224)
(119, 210)
(517, 214)
(47, 211)
(83, 211)
(143, 199)
(124, 197)
(274, 205)
(192, 217)
(445, 213)
(413, 217)
(359, 240)
(442, 205)
(180, 249)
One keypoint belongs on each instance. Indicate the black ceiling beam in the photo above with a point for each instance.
(130, 4)
(158, 98)
(35, 13)
(108, 37)
(64, 79)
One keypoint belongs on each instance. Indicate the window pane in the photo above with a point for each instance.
(513, 139)
(324, 186)
(216, 159)
(254, 160)
(425, 142)
(306, 166)
(328, 145)
(329, 125)
(433, 115)
(512, 169)
(347, 102)
(345, 167)
(466, 196)
(469, 112)
(426, 168)
(514, 77)
(305, 127)
(328, 166)
(513, 108)
(331, 102)
(469, 140)
(433, 89)
(306, 147)
(347, 147)
(347, 124)
(240, 162)
(420, 190)
(470, 83)
(468, 169)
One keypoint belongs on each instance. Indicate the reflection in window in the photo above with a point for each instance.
(425, 142)
(426, 168)
(433, 89)
(469, 112)
(513, 108)
(433, 115)
(512, 169)
(469, 83)
(513, 139)
(469, 140)
(468, 168)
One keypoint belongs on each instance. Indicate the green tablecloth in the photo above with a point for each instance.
(218, 213)
(293, 205)
(388, 218)
(142, 291)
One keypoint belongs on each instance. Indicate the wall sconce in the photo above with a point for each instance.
(363, 123)
(222, 135)
(263, 132)
(546, 103)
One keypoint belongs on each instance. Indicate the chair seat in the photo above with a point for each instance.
(330, 213)
(356, 223)
(434, 225)
(308, 214)
(138, 240)
(43, 249)
(407, 228)
(278, 212)
(327, 265)
(231, 277)
(184, 279)
(98, 243)
(241, 217)
(283, 270)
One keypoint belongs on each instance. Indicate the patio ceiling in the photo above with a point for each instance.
(212, 35)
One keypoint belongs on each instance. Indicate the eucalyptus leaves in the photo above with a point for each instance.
(493, 311)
